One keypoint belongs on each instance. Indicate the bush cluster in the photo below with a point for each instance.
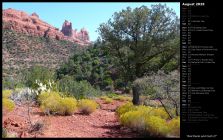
(161, 86)
(87, 106)
(79, 90)
(156, 126)
(152, 103)
(134, 119)
(21, 95)
(123, 98)
(6, 93)
(106, 99)
(117, 97)
(125, 108)
(153, 121)
(8, 104)
(53, 103)
(174, 126)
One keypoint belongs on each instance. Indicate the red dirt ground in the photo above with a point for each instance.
(102, 123)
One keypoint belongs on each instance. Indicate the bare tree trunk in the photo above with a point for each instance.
(174, 102)
(135, 89)
(135, 99)
(165, 108)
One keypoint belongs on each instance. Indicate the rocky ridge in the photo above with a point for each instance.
(22, 22)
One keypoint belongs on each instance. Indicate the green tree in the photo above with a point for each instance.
(37, 73)
(90, 64)
(142, 40)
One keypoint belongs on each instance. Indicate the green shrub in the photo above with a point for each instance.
(9, 82)
(79, 90)
(108, 81)
(174, 126)
(152, 103)
(8, 104)
(112, 95)
(39, 73)
(156, 126)
(91, 64)
(119, 83)
(156, 85)
(87, 106)
(123, 98)
(144, 86)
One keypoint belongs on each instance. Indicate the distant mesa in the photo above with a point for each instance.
(20, 21)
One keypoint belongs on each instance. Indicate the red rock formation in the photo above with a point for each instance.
(83, 35)
(79, 37)
(67, 28)
(32, 25)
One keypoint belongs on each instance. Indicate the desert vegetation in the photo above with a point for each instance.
(131, 72)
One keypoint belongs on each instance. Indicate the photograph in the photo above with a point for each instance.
(91, 70)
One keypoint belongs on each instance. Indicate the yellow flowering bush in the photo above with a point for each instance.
(53, 103)
(6, 93)
(156, 126)
(134, 119)
(122, 98)
(8, 104)
(103, 97)
(159, 112)
(174, 126)
(130, 107)
(125, 108)
(69, 105)
(87, 106)
(146, 109)
(108, 100)
(44, 95)
(153, 121)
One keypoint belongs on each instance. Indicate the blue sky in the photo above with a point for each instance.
(88, 15)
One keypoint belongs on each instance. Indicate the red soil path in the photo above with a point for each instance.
(102, 123)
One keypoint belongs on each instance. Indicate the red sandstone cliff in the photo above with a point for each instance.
(31, 24)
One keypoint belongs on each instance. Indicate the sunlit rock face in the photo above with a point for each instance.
(20, 21)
